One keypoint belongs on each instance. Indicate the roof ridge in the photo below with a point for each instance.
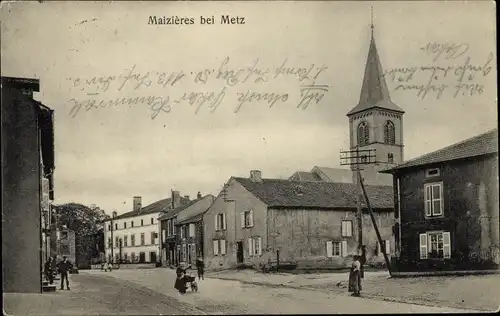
(450, 146)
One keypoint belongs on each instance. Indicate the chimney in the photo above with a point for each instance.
(255, 175)
(137, 203)
(114, 214)
(176, 199)
(199, 195)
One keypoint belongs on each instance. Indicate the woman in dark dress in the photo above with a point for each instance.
(355, 277)
(180, 283)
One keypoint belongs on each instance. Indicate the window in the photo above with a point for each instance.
(117, 242)
(152, 238)
(255, 246)
(390, 157)
(169, 228)
(333, 249)
(110, 242)
(116, 226)
(109, 226)
(125, 241)
(432, 172)
(433, 196)
(183, 231)
(132, 240)
(125, 256)
(142, 222)
(152, 220)
(163, 236)
(124, 224)
(174, 228)
(435, 245)
(143, 241)
(131, 223)
(192, 229)
(389, 133)
(247, 219)
(219, 246)
(184, 253)
(220, 221)
(346, 228)
(364, 158)
(363, 134)
(387, 246)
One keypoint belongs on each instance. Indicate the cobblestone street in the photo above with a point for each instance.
(467, 292)
(218, 296)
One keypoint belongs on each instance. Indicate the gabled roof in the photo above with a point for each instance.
(155, 207)
(191, 220)
(166, 214)
(483, 144)
(305, 176)
(374, 92)
(334, 174)
(277, 193)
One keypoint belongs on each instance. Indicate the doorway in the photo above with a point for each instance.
(142, 257)
(239, 251)
(152, 257)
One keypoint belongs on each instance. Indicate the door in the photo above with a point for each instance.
(239, 251)
(142, 257)
(152, 257)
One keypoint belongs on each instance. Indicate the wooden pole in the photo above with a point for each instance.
(358, 204)
(388, 263)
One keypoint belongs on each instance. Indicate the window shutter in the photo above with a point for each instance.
(191, 230)
(329, 249)
(446, 245)
(216, 221)
(428, 200)
(344, 248)
(259, 248)
(163, 235)
(387, 247)
(242, 216)
(223, 221)
(250, 246)
(251, 218)
(223, 247)
(423, 246)
(216, 247)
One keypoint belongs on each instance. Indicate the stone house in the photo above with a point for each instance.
(447, 208)
(311, 223)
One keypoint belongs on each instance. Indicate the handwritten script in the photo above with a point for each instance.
(162, 91)
(451, 71)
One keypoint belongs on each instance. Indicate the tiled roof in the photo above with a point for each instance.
(310, 194)
(305, 176)
(155, 207)
(374, 92)
(334, 174)
(193, 219)
(166, 214)
(482, 144)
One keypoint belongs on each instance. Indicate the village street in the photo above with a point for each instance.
(218, 296)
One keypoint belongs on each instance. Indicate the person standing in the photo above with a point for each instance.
(200, 266)
(49, 272)
(355, 277)
(64, 268)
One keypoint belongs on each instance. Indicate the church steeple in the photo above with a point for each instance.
(374, 92)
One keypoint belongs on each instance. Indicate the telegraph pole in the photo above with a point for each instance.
(358, 204)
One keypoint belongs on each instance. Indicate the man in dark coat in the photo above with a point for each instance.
(64, 268)
(200, 266)
(49, 272)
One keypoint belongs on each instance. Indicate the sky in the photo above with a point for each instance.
(106, 155)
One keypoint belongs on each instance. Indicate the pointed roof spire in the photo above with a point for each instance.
(374, 92)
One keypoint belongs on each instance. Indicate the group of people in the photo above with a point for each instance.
(183, 279)
(62, 268)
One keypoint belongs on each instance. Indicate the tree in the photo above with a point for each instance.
(88, 225)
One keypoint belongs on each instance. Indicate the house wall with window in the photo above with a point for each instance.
(134, 248)
(449, 215)
(325, 238)
(227, 241)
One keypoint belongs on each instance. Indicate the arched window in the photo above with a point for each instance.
(389, 133)
(363, 134)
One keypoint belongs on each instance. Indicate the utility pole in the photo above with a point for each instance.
(358, 204)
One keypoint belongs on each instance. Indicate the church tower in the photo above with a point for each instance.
(376, 122)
